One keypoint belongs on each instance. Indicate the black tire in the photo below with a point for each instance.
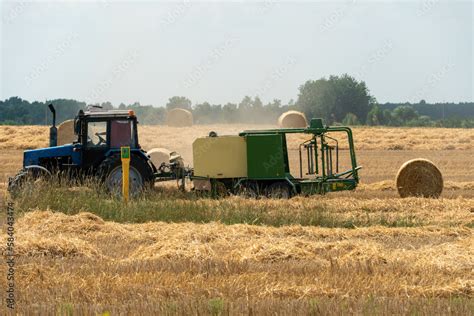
(219, 190)
(249, 190)
(16, 183)
(278, 190)
(139, 168)
(26, 178)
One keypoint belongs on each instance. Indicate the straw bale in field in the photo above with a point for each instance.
(292, 119)
(66, 133)
(419, 177)
(159, 156)
(179, 118)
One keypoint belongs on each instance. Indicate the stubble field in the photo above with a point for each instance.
(361, 252)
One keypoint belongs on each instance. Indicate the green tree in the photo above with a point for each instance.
(404, 113)
(377, 116)
(107, 105)
(350, 119)
(245, 104)
(333, 98)
(229, 113)
(178, 102)
(257, 103)
(202, 113)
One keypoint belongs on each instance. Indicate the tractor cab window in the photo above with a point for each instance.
(121, 134)
(97, 134)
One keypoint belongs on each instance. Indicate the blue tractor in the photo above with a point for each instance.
(96, 153)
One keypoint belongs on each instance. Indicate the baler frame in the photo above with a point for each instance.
(327, 181)
(268, 163)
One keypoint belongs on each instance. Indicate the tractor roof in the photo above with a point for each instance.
(108, 113)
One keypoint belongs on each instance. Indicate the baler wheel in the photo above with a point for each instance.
(278, 190)
(219, 190)
(248, 190)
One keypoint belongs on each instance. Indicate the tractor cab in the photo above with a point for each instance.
(100, 132)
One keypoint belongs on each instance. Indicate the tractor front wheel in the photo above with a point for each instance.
(27, 179)
(140, 175)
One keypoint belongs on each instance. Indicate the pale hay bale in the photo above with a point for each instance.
(419, 177)
(292, 119)
(159, 156)
(179, 118)
(66, 133)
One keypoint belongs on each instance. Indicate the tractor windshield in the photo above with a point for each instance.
(113, 133)
(97, 134)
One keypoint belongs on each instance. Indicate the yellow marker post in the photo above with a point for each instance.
(125, 156)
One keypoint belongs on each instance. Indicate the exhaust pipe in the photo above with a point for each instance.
(53, 131)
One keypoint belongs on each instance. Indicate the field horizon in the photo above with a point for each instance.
(80, 251)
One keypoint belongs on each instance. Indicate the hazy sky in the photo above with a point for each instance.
(221, 51)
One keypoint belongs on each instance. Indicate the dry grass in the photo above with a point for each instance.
(404, 256)
(23, 137)
(84, 263)
(362, 208)
(450, 149)
(175, 138)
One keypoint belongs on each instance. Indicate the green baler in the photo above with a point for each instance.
(219, 163)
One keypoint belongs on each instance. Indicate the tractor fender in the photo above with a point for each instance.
(37, 168)
(16, 182)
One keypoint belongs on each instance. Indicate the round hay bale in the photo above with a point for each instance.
(292, 119)
(179, 118)
(66, 133)
(159, 155)
(419, 177)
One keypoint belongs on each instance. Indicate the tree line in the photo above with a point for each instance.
(337, 99)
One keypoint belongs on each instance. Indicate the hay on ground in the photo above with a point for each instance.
(292, 119)
(179, 118)
(32, 245)
(419, 177)
(66, 133)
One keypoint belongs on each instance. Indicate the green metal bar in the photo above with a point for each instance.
(301, 162)
(328, 161)
(308, 130)
(316, 153)
(351, 147)
(323, 165)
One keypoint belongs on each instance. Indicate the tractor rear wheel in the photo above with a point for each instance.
(278, 190)
(110, 173)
